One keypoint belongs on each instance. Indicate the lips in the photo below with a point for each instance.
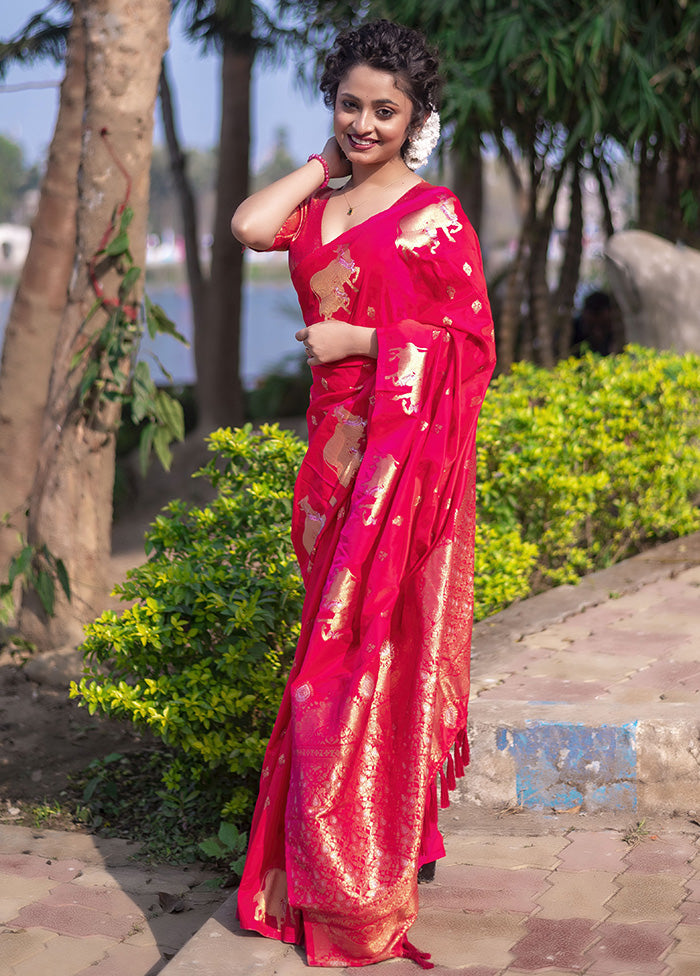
(361, 143)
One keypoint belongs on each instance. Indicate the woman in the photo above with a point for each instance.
(400, 340)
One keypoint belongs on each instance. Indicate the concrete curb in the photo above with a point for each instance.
(592, 754)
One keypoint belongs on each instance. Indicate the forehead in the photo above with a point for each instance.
(371, 84)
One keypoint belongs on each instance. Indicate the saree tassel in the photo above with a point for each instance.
(444, 792)
(459, 765)
(463, 746)
(451, 781)
(409, 951)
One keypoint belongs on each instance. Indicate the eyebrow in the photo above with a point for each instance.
(377, 101)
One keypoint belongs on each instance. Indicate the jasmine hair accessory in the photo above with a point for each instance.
(322, 161)
(423, 142)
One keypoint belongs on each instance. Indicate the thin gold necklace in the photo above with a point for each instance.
(362, 202)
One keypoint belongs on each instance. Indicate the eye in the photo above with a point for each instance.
(348, 105)
(385, 113)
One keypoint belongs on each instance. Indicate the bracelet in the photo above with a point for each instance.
(326, 173)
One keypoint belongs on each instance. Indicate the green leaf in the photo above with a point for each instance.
(118, 245)
(212, 848)
(20, 563)
(161, 445)
(62, 575)
(145, 445)
(158, 321)
(90, 375)
(230, 837)
(169, 411)
(126, 218)
(128, 282)
(45, 591)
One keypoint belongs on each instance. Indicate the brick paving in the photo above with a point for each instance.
(76, 905)
(529, 885)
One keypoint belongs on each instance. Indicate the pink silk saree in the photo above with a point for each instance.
(383, 528)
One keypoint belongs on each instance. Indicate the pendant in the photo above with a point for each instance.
(349, 211)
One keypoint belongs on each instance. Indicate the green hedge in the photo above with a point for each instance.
(577, 468)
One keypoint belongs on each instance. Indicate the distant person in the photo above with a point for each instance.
(399, 337)
(594, 328)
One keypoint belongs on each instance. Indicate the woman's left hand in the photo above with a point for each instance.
(330, 340)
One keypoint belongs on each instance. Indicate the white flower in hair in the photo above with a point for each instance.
(423, 142)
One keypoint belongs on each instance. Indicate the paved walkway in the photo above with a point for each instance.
(76, 905)
(586, 721)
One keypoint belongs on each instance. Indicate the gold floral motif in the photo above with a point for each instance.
(449, 716)
(451, 292)
(303, 692)
(313, 524)
(399, 518)
(420, 229)
(335, 606)
(366, 685)
(330, 283)
(409, 367)
(376, 487)
(476, 306)
(447, 321)
(342, 450)
(467, 268)
(371, 312)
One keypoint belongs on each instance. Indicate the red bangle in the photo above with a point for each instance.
(326, 173)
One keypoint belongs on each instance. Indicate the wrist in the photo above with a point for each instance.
(321, 160)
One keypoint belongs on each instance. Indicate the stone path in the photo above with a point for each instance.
(76, 905)
(559, 902)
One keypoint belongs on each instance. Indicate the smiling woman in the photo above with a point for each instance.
(399, 337)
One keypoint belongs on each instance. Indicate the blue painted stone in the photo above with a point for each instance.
(564, 765)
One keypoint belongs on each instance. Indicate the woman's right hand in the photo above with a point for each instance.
(338, 164)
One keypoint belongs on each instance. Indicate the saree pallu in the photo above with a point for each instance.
(383, 528)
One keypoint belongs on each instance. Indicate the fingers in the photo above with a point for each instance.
(301, 335)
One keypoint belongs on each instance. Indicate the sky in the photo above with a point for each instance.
(28, 116)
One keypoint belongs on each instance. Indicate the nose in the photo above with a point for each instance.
(364, 121)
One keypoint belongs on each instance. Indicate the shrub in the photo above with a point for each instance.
(592, 461)
(577, 467)
(201, 656)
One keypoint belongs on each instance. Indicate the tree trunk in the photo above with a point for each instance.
(570, 268)
(468, 184)
(646, 188)
(198, 283)
(71, 502)
(508, 323)
(541, 311)
(217, 348)
(605, 201)
(39, 302)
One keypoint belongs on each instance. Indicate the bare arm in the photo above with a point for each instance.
(257, 219)
(330, 340)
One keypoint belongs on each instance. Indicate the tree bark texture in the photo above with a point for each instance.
(468, 184)
(217, 346)
(71, 501)
(570, 268)
(38, 305)
(198, 284)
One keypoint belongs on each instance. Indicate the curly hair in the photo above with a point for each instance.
(390, 47)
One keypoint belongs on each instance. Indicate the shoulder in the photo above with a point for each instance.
(432, 216)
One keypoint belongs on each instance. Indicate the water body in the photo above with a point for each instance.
(271, 316)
